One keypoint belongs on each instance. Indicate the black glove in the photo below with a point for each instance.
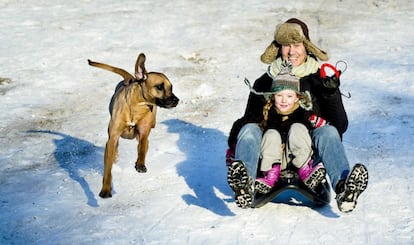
(330, 84)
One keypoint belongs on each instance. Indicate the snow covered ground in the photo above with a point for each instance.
(54, 118)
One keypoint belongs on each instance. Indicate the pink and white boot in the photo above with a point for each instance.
(312, 176)
(265, 184)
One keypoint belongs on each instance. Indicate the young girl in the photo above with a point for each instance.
(287, 121)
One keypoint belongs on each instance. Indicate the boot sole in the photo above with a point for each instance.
(241, 184)
(355, 184)
(315, 178)
(262, 187)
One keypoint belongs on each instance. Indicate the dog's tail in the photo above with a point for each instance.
(126, 75)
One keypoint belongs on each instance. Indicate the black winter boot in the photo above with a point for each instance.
(241, 183)
(349, 191)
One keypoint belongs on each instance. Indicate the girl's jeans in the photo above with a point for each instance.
(327, 146)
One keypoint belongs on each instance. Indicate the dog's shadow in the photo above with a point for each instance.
(204, 168)
(74, 155)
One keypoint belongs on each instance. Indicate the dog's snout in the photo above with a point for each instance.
(169, 102)
(175, 100)
(172, 101)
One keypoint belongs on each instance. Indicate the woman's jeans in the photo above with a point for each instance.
(327, 146)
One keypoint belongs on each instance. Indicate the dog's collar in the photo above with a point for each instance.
(131, 81)
(139, 80)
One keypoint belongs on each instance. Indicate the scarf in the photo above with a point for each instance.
(285, 114)
(309, 67)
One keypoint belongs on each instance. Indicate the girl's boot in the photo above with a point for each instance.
(311, 175)
(265, 184)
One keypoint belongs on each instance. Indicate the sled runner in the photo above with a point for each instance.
(289, 180)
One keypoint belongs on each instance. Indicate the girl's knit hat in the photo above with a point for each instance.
(285, 80)
(292, 31)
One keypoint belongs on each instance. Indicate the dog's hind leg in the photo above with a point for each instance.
(111, 153)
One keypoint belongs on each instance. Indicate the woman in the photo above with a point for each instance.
(292, 44)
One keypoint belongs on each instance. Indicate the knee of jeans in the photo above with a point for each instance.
(250, 131)
(326, 133)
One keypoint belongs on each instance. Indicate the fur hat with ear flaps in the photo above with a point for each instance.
(292, 31)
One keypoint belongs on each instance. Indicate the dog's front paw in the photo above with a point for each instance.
(105, 194)
(140, 168)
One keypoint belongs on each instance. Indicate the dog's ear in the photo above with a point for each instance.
(140, 71)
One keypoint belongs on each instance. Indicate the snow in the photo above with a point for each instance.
(55, 114)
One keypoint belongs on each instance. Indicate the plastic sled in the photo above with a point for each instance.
(289, 180)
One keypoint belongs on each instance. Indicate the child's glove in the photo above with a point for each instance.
(230, 155)
(317, 121)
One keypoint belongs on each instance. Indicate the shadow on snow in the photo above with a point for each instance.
(74, 154)
(204, 168)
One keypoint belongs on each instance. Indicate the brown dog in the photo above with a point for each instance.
(133, 109)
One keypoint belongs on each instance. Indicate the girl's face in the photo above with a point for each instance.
(285, 100)
(295, 53)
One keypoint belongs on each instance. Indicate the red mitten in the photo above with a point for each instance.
(317, 121)
(230, 156)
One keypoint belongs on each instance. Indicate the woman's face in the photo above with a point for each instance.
(295, 53)
(285, 100)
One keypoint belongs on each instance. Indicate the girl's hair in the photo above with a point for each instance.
(270, 102)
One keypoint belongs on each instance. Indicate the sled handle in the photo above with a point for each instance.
(333, 68)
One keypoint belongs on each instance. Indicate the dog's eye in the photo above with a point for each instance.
(160, 87)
